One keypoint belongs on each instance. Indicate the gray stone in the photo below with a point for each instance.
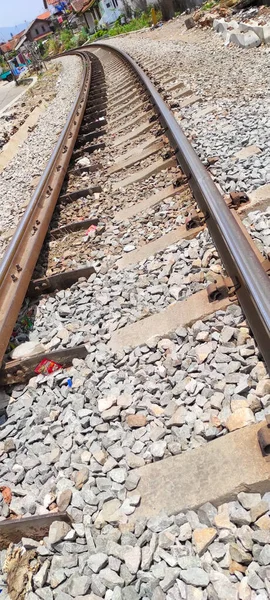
(132, 481)
(264, 556)
(158, 448)
(217, 550)
(239, 554)
(63, 500)
(114, 564)
(223, 587)
(77, 585)
(118, 475)
(159, 523)
(168, 557)
(195, 576)
(194, 593)
(29, 544)
(185, 532)
(58, 531)
(248, 500)
(114, 549)
(207, 513)
(258, 510)
(254, 581)
(129, 593)
(97, 586)
(110, 579)
(117, 593)
(170, 577)
(40, 577)
(45, 593)
(178, 418)
(158, 594)
(188, 562)
(262, 536)
(63, 562)
(56, 577)
(238, 514)
(244, 534)
(98, 561)
(132, 557)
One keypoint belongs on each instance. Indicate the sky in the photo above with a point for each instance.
(14, 12)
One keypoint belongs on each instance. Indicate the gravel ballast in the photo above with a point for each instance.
(232, 111)
(72, 440)
(16, 180)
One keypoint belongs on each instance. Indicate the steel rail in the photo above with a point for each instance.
(252, 284)
(22, 253)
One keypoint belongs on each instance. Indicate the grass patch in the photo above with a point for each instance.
(139, 23)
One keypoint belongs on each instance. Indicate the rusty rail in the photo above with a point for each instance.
(251, 282)
(20, 258)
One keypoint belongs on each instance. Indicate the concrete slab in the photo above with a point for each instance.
(167, 80)
(259, 198)
(136, 157)
(127, 96)
(134, 133)
(127, 114)
(124, 90)
(178, 314)
(142, 253)
(129, 85)
(185, 93)
(199, 114)
(175, 86)
(151, 139)
(11, 148)
(215, 473)
(156, 167)
(247, 152)
(127, 107)
(189, 101)
(129, 124)
(135, 209)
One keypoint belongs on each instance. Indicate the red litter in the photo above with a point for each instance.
(91, 228)
(47, 366)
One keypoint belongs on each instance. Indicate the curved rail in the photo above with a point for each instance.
(252, 284)
(21, 255)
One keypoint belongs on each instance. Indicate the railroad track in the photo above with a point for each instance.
(143, 143)
(123, 197)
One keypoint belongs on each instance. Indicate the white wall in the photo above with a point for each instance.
(110, 10)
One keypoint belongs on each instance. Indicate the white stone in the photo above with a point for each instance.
(266, 34)
(27, 349)
(245, 40)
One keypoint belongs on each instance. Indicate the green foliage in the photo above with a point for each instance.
(65, 41)
(143, 21)
(3, 63)
(54, 45)
(208, 5)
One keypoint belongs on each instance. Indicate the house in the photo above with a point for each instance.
(12, 43)
(46, 15)
(38, 30)
(105, 12)
(56, 7)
